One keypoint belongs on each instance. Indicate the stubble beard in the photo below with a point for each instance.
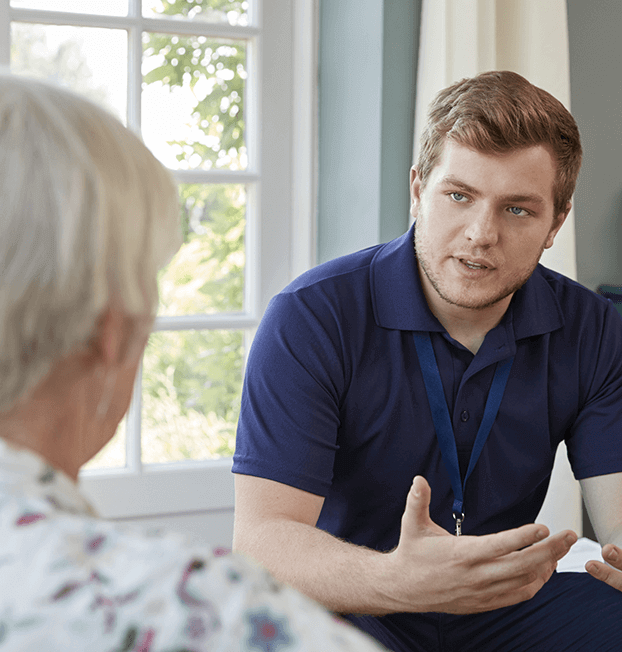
(462, 301)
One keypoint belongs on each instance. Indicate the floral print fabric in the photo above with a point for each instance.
(71, 581)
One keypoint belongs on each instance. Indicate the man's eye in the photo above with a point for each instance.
(517, 210)
(456, 196)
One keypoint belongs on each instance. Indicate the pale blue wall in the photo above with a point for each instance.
(368, 62)
(596, 103)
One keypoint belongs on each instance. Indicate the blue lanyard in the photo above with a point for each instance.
(442, 420)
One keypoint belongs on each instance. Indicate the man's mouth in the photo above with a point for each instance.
(472, 265)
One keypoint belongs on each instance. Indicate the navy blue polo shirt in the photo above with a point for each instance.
(334, 401)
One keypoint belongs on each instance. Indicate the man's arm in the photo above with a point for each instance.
(603, 499)
(430, 570)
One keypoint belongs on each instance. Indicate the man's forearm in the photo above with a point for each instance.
(343, 577)
(429, 570)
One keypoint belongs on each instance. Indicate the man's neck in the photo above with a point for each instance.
(468, 326)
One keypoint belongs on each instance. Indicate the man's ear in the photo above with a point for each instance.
(415, 191)
(558, 222)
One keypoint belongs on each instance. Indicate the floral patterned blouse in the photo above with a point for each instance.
(71, 581)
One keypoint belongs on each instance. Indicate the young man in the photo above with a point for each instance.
(461, 363)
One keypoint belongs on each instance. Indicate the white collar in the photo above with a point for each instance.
(24, 473)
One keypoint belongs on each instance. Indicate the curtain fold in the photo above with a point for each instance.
(461, 38)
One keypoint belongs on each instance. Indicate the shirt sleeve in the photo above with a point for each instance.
(294, 382)
(595, 442)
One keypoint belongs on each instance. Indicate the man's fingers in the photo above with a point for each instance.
(612, 576)
(558, 545)
(416, 520)
(422, 493)
(522, 549)
(605, 574)
(510, 593)
(508, 541)
(417, 514)
(613, 555)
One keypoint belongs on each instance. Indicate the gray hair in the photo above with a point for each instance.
(87, 217)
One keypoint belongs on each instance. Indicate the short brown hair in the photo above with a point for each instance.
(499, 111)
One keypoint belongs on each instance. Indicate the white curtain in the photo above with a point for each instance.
(461, 38)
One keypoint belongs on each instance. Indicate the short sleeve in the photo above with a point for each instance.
(289, 417)
(595, 442)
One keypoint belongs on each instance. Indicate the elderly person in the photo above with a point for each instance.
(87, 218)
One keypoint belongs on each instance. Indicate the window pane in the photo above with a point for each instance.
(101, 7)
(112, 455)
(90, 61)
(234, 12)
(193, 101)
(191, 394)
(207, 274)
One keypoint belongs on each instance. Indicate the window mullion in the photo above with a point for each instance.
(214, 176)
(135, 8)
(262, 186)
(198, 28)
(134, 85)
(162, 25)
(133, 427)
(67, 18)
(217, 321)
(134, 78)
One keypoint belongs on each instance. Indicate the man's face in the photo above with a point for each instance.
(483, 221)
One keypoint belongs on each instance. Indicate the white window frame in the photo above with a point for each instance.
(281, 139)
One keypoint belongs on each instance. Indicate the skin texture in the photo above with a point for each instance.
(429, 570)
(603, 498)
(495, 211)
(77, 407)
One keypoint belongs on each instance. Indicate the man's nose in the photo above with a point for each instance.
(483, 227)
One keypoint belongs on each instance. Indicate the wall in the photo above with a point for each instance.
(368, 63)
(596, 102)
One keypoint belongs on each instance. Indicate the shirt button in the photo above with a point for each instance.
(464, 416)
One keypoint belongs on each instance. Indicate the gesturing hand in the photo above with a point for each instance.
(432, 570)
(612, 576)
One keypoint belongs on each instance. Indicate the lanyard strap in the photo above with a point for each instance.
(442, 420)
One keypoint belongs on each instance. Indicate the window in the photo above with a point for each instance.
(211, 86)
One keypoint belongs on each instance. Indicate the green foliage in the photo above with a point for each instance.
(191, 379)
(217, 10)
(207, 274)
(214, 70)
(191, 392)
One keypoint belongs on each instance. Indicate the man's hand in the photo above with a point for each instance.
(435, 571)
(612, 576)
(430, 570)
(603, 498)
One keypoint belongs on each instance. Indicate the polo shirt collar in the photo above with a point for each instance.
(399, 303)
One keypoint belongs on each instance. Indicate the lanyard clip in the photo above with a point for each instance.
(459, 517)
